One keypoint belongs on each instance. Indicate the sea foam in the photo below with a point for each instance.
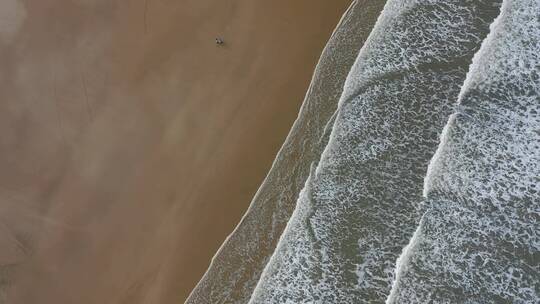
(478, 241)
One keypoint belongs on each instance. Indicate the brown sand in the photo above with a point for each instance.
(131, 144)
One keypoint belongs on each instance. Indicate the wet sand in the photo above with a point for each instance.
(131, 144)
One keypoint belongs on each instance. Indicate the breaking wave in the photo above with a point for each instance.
(478, 240)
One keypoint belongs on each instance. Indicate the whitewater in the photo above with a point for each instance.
(360, 205)
(478, 241)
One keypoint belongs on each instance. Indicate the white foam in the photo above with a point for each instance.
(478, 238)
(434, 162)
(402, 262)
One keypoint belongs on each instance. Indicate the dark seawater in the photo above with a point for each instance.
(478, 241)
(360, 205)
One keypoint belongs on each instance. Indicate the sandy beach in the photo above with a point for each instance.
(131, 144)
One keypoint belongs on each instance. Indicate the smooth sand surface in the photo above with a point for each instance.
(131, 144)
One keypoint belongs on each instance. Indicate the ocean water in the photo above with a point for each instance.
(478, 240)
(361, 203)
(237, 266)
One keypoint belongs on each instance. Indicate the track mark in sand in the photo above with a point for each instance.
(58, 116)
(140, 287)
(87, 102)
(145, 17)
(18, 243)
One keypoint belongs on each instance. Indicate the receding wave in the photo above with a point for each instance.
(478, 240)
(359, 207)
